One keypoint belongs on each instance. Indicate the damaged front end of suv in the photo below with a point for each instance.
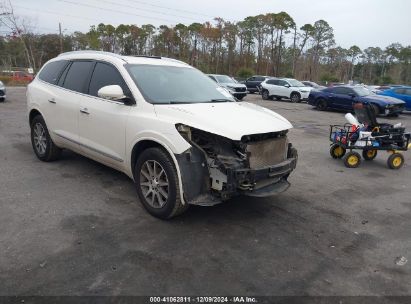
(217, 168)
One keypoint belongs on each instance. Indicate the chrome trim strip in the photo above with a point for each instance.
(90, 148)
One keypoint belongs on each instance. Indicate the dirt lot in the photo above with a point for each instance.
(75, 227)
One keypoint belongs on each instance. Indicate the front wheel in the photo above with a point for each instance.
(265, 95)
(157, 184)
(43, 145)
(295, 97)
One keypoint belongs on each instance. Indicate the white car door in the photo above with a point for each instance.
(65, 103)
(283, 88)
(102, 122)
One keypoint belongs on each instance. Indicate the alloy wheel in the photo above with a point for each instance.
(154, 183)
(40, 139)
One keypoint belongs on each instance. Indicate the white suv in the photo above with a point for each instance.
(284, 88)
(180, 137)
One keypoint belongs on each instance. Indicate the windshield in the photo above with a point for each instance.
(361, 91)
(295, 83)
(224, 79)
(169, 84)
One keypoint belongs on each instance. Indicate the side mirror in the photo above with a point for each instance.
(352, 95)
(111, 92)
(287, 85)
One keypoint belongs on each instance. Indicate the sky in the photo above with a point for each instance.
(355, 22)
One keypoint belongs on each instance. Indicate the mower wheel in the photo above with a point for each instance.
(352, 160)
(395, 161)
(336, 151)
(369, 154)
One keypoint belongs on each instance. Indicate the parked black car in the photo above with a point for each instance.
(254, 82)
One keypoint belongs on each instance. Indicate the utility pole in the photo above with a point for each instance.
(61, 38)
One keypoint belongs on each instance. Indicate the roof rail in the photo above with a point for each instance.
(174, 60)
(92, 52)
(146, 56)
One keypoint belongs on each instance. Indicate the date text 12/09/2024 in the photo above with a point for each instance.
(201, 299)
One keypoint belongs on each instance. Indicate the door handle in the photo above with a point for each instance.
(85, 111)
(52, 100)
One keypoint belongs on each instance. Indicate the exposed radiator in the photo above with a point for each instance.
(267, 152)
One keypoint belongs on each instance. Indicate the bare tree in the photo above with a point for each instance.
(17, 27)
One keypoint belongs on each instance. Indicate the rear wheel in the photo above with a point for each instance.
(295, 97)
(352, 160)
(265, 95)
(369, 154)
(336, 151)
(395, 161)
(43, 145)
(321, 104)
(157, 184)
(375, 109)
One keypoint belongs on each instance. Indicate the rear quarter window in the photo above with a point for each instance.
(52, 70)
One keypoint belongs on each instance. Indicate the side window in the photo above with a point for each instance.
(51, 72)
(251, 79)
(348, 91)
(271, 81)
(260, 78)
(399, 91)
(281, 83)
(104, 75)
(77, 76)
(339, 90)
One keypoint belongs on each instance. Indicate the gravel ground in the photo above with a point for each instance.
(75, 227)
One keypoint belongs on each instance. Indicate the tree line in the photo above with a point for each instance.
(267, 44)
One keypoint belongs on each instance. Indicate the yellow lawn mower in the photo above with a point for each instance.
(363, 132)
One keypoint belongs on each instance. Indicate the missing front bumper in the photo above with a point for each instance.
(263, 182)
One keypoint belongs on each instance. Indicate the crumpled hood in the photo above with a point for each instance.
(386, 99)
(229, 119)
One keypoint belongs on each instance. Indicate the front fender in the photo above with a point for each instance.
(174, 145)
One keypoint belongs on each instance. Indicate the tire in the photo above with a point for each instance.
(278, 98)
(369, 154)
(2, 99)
(321, 104)
(295, 97)
(158, 191)
(337, 152)
(352, 160)
(265, 95)
(43, 146)
(395, 161)
(375, 109)
(240, 97)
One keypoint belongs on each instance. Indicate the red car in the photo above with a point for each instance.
(22, 77)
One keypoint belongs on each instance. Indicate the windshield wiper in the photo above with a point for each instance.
(221, 100)
(176, 102)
